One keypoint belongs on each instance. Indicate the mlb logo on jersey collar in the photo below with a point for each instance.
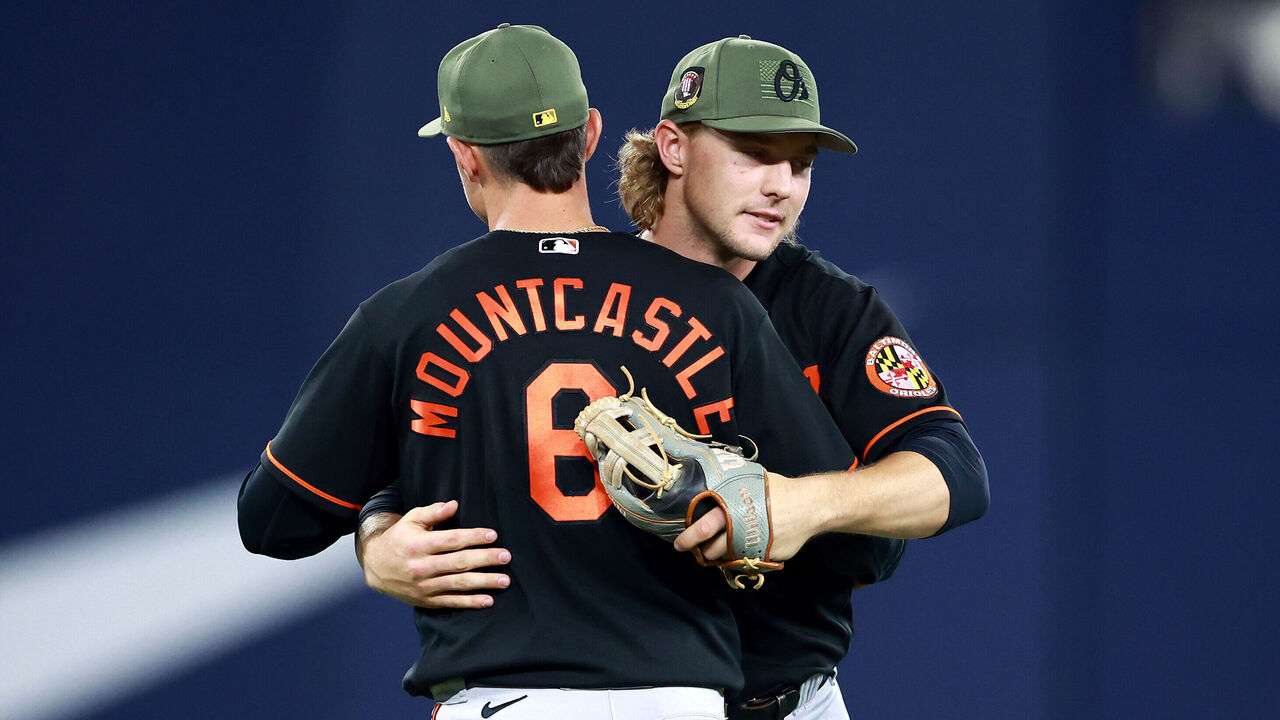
(560, 245)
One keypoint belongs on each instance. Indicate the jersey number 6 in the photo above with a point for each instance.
(547, 442)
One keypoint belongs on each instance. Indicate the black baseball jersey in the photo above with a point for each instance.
(464, 379)
(860, 360)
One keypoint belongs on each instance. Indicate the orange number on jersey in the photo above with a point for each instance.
(547, 442)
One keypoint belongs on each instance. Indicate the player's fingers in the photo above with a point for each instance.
(717, 548)
(464, 560)
(464, 582)
(443, 541)
(458, 602)
(429, 515)
(702, 530)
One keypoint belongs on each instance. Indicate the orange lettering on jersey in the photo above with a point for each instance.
(697, 331)
(660, 328)
(683, 376)
(483, 344)
(620, 295)
(531, 286)
(460, 376)
(506, 312)
(432, 419)
(815, 379)
(563, 323)
(719, 409)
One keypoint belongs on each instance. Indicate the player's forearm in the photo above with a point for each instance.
(933, 480)
(372, 527)
(380, 512)
(902, 496)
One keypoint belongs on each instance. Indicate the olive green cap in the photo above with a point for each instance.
(515, 82)
(745, 85)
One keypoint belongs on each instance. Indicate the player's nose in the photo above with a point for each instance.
(779, 179)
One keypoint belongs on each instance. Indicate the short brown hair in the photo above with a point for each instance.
(551, 163)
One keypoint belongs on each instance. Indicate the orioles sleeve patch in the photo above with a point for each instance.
(895, 368)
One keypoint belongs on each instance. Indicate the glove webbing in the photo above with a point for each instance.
(623, 455)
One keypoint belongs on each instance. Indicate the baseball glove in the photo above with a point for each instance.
(662, 478)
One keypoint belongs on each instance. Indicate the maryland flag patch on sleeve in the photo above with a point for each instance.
(895, 368)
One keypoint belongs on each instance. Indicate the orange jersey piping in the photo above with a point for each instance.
(917, 413)
(306, 485)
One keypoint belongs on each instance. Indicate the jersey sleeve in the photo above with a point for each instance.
(777, 409)
(946, 443)
(870, 375)
(388, 500)
(337, 446)
(275, 522)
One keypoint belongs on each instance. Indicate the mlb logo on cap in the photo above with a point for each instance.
(544, 118)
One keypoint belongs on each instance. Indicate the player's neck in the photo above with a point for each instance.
(677, 232)
(520, 207)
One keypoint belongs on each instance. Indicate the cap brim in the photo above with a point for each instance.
(826, 138)
(431, 129)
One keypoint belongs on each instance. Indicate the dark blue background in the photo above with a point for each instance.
(197, 195)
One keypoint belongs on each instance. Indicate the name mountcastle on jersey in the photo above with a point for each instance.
(463, 380)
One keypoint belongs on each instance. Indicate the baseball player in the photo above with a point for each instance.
(722, 179)
(463, 380)
(740, 127)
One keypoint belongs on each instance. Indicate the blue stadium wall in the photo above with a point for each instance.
(198, 195)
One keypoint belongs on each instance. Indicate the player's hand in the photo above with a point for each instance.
(791, 529)
(418, 565)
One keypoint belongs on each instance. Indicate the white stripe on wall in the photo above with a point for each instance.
(140, 595)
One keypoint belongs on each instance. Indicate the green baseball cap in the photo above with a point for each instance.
(515, 82)
(745, 85)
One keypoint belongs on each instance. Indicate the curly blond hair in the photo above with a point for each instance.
(642, 178)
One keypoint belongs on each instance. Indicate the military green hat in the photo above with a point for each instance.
(745, 85)
(515, 82)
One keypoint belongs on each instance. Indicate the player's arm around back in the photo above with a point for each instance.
(406, 558)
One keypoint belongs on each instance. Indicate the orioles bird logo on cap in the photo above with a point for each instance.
(784, 79)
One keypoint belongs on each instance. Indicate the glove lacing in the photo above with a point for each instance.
(670, 474)
(746, 567)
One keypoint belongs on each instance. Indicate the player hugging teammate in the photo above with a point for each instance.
(721, 181)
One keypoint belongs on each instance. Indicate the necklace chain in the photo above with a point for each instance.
(589, 228)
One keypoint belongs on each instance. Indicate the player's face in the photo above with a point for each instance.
(745, 191)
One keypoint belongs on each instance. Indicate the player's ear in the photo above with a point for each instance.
(467, 156)
(595, 127)
(672, 144)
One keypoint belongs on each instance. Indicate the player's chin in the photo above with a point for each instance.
(756, 244)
